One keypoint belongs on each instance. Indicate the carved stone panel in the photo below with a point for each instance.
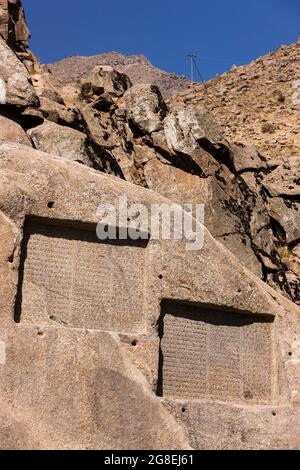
(217, 355)
(71, 278)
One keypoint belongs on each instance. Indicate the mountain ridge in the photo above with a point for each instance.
(136, 66)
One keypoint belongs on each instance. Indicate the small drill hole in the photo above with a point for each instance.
(50, 204)
(134, 343)
(160, 276)
(183, 409)
(273, 413)
(290, 353)
(40, 333)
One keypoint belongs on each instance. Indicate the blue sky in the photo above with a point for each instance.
(221, 32)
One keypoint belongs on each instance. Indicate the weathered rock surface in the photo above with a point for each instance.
(45, 84)
(104, 381)
(283, 181)
(247, 158)
(61, 141)
(133, 135)
(185, 129)
(13, 27)
(108, 79)
(15, 84)
(145, 107)
(86, 325)
(287, 214)
(11, 130)
(59, 113)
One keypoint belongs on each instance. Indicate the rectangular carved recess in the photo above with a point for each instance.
(216, 355)
(69, 278)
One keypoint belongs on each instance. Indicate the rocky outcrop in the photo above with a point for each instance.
(17, 95)
(13, 27)
(105, 78)
(136, 67)
(11, 130)
(15, 83)
(256, 104)
(284, 180)
(181, 154)
(62, 141)
(185, 155)
(145, 108)
(185, 129)
(140, 344)
(100, 371)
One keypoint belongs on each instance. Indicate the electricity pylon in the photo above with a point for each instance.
(194, 65)
(192, 58)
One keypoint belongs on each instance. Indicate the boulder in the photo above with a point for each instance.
(145, 107)
(46, 85)
(184, 130)
(105, 78)
(287, 214)
(101, 127)
(61, 141)
(247, 158)
(104, 102)
(11, 131)
(283, 181)
(59, 113)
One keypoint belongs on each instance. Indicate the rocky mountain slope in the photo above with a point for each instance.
(137, 67)
(257, 104)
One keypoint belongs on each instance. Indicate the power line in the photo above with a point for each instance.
(217, 59)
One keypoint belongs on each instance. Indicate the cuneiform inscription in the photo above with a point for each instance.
(72, 279)
(217, 355)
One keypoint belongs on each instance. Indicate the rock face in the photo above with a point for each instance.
(185, 129)
(108, 79)
(106, 334)
(13, 25)
(11, 130)
(182, 154)
(68, 359)
(15, 84)
(284, 181)
(62, 141)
